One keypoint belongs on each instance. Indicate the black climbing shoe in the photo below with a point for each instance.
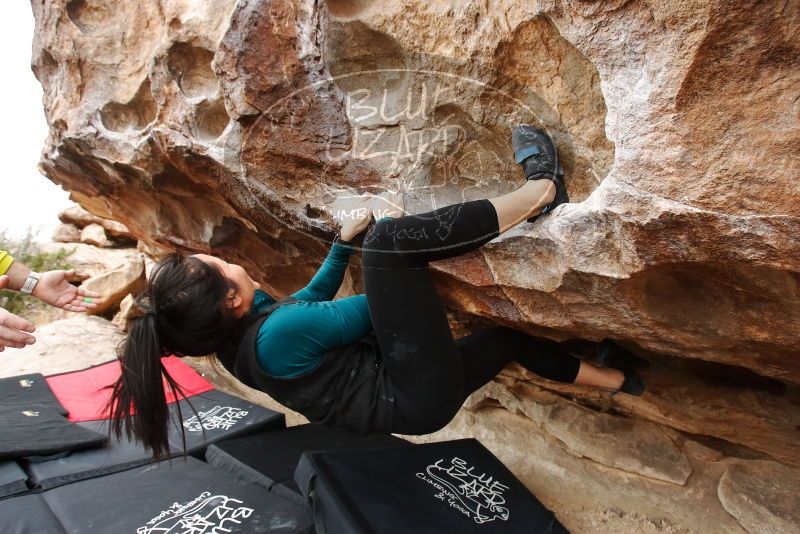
(614, 356)
(607, 353)
(536, 152)
(632, 385)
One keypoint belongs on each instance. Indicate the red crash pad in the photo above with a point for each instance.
(85, 393)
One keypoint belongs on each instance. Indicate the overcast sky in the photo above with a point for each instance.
(28, 198)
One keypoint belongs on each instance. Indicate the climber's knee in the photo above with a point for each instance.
(378, 246)
(378, 236)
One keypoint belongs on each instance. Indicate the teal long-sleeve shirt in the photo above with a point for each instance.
(294, 338)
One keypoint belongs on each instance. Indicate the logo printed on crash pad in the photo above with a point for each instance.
(26, 383)
(30, 413)
(204, 514)
(218, 417)
(478, 496)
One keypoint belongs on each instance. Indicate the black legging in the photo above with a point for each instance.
(432, 372)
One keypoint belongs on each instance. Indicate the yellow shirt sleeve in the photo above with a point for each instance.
(5, 261)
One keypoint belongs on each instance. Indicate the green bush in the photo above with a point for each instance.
(27, 251)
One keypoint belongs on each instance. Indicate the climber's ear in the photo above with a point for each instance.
(233, 299)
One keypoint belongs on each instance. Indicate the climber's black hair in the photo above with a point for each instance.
(181, 312)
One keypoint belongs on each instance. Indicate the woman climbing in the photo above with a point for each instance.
(381, 362)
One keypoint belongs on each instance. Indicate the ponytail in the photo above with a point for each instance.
(141, 386)
(182, 312)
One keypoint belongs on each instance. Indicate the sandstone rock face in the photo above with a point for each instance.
(654, 456)
(230, 127)
(94, 234)
(65, 345)
(81, 218)
(120, 319)
(89, 261)
(115, 285)
(235, 128)
(67, 233)
(762, 496)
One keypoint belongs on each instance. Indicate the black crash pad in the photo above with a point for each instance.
(38, 430)
(177, 496)
(116, 455)
(269, 458)
(452, 486)
(219, 416)
(28, 390)
(28, 514)
(12, 479)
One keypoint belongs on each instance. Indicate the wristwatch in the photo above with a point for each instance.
(30, 282)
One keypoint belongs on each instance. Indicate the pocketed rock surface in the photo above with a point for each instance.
(238, 128)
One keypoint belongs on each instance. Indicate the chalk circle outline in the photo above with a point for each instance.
(235, 161)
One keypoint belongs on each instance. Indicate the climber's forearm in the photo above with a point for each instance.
(329, 277)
